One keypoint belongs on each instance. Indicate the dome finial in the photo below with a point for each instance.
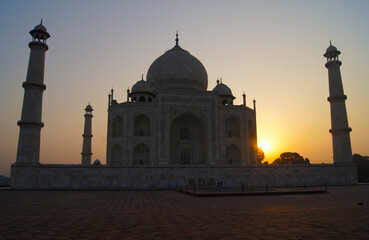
(330, 43)
(142, 77)
(41, 21)
(177, 40)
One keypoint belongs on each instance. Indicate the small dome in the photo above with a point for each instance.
(97, 162)
(142, 87)
(223, 90)
(177, 69)
(88, 108)
(40, 27)
(331, 51)
(331, 48)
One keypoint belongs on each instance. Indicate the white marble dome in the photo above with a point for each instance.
(177, 69)
(222, 90)
(142, 87)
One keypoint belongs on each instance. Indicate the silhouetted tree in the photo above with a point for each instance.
(291, 158)
(4, 181)
(362, 164)
(260, 155)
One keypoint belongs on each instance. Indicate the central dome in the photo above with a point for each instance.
(177, 69)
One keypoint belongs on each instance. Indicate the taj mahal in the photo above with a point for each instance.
(172, 119)
(173, 131)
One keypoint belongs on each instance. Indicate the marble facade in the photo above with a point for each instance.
(171, 132)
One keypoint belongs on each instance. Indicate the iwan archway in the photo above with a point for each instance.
(188, 140)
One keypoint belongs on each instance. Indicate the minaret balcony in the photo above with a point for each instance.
(33, 85)
(38, 44)
(336, 98)
(332, 63)
(30, 124)
(341, 130)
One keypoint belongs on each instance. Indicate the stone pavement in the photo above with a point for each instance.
(168, 214)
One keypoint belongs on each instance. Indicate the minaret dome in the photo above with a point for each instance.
(39, 33)
(89, 109)
(331, 53)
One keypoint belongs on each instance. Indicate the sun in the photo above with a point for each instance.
(265, 145)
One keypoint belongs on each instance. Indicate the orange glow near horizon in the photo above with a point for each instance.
(273, 60)
(265, 146)
(270, 148)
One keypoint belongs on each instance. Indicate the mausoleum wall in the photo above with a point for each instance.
(57, 176)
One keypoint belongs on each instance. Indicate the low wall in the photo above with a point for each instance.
(56, 176)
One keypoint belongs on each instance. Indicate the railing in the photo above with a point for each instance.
(249, 191)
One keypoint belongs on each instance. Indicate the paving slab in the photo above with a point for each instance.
(343, 213)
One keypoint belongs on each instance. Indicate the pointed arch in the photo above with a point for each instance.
(232, 128)
(141, 154)
(188, 140)
(184, 134)
(233, 155)
(141, 126)
(117, 129)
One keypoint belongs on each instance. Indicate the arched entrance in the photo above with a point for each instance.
(232, 155)
(141, 126)
(188, 140)
(232, 128)
(141, 155)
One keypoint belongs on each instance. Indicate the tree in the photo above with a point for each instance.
(362, 164)
(291, 158)
(260, 155)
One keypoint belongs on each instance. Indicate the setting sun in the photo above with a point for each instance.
(265, 145)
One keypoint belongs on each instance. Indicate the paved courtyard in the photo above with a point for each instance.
(343, 213)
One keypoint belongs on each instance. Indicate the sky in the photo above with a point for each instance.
(271, 50)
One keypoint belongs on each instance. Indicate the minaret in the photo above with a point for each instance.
(340, 129)
(30, 124)
(86, 148)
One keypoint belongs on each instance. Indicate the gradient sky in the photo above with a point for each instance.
(271, 50)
